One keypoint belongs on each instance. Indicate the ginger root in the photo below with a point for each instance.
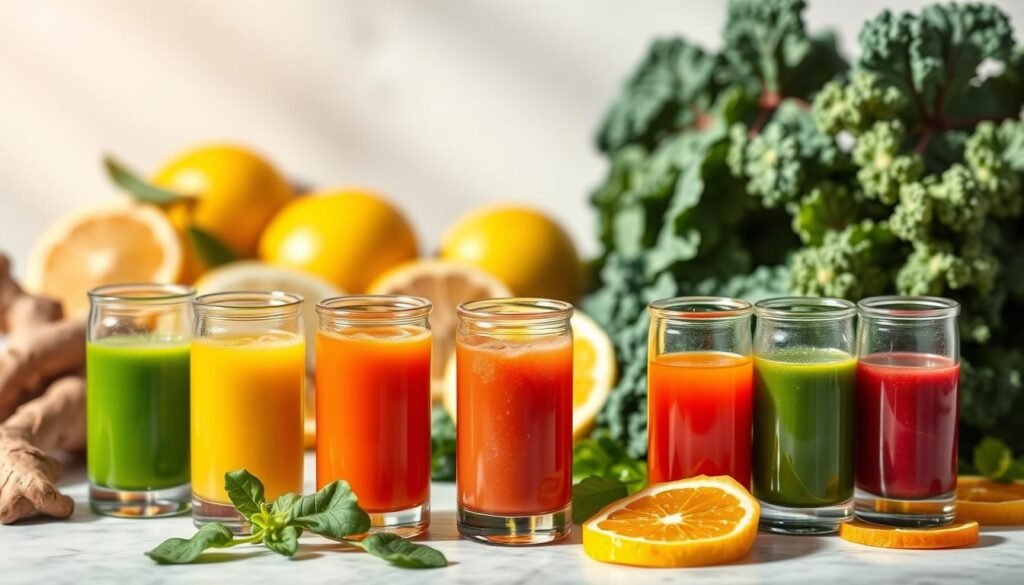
(42, 398)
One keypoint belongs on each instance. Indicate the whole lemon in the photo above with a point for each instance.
(524, 248)
(235, 194)
(348, 237)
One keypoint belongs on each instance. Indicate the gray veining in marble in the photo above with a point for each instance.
(91, 549)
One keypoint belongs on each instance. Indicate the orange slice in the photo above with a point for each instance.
(593, 374)
(989, 503)
(955, 535)
(446, 285)
(693, 522)
(109, 245)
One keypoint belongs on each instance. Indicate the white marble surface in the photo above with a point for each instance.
(91, 549)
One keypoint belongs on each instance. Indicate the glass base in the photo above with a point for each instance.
(923, 513)
(515, 530)
(205, 512)
(139, 503)
(817, 520)
(405, 523)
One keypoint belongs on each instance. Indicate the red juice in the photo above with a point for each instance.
(907, 405)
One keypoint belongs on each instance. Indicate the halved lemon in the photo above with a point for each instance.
(989, 503)
(593, 375)
(952, 536)
(105, 245)
(692, 522)
(446, 285)
(255, 275)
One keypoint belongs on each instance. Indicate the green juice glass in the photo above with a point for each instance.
(804, 398)
(137, 401)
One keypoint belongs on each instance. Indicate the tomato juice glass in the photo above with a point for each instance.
(908, 375)
(699, 389)
(514, 420)
(373, 406)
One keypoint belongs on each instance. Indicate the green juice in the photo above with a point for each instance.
(137, 412)
(803, 427)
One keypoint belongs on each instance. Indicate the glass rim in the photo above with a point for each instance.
(805, 309)
(908, 308)
(701, 309)
(251, 300)
(523, 308)
(374, 307)
(145, 292)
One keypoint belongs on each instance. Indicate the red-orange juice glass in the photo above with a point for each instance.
(700, 381)
(514, 420)
(373, 406)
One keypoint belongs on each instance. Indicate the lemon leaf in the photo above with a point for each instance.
(209, 248)
(137, 187)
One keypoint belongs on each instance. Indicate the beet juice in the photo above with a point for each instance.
(907, 403)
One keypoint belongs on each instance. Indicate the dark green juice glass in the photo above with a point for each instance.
(804, 399)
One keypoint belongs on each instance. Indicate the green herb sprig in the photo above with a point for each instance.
(333, 512)
(603, 472)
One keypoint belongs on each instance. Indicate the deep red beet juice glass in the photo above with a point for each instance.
(908, 372)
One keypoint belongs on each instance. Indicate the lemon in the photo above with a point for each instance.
(524, 248)
(233, 193)
(593, 375)
(104, 245)
(347, 237)
(446, 285)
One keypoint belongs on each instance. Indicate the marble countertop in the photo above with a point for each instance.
(91, 549)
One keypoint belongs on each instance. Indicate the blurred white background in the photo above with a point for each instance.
(442, 105)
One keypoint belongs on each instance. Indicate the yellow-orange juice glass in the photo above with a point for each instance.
(248, 369)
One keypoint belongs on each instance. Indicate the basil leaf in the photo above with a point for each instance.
(992, 458)
(245, 491)
(177, 551)
(400, 552)
(333, 512)
(283, 505)
(209, 248)
(284, 541)
(594, 493)
(138, 188)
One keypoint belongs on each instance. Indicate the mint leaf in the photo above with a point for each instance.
(594, 493)
(284, 541)
(283, 505)
(138, 188)
(398, 551)
(604, 457)
(245, 491)
(209, 248)
(332, 512)
(177, 551)
(992, 458)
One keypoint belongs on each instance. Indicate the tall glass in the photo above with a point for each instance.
(699, 389)
(373, 406)
(514, 414)
(248, 373)
(137, 399)
(907, 410)
(804, 384)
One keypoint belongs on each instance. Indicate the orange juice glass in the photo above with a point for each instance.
(373, 406)
(514, 415)
(700, 380)
(248, 370)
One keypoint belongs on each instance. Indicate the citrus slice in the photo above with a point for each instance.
(105, 245)
(593, 375)
(692, 522)
(955, 535)
(446, 285)
(255, 275)
(989, 503)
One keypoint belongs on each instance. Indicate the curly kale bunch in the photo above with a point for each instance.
(774, 167)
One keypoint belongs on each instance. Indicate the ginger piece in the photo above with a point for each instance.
(55, 420)
(32, 359)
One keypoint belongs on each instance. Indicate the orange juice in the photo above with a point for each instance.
(373, 414)
(247, 394)
(514, 451)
